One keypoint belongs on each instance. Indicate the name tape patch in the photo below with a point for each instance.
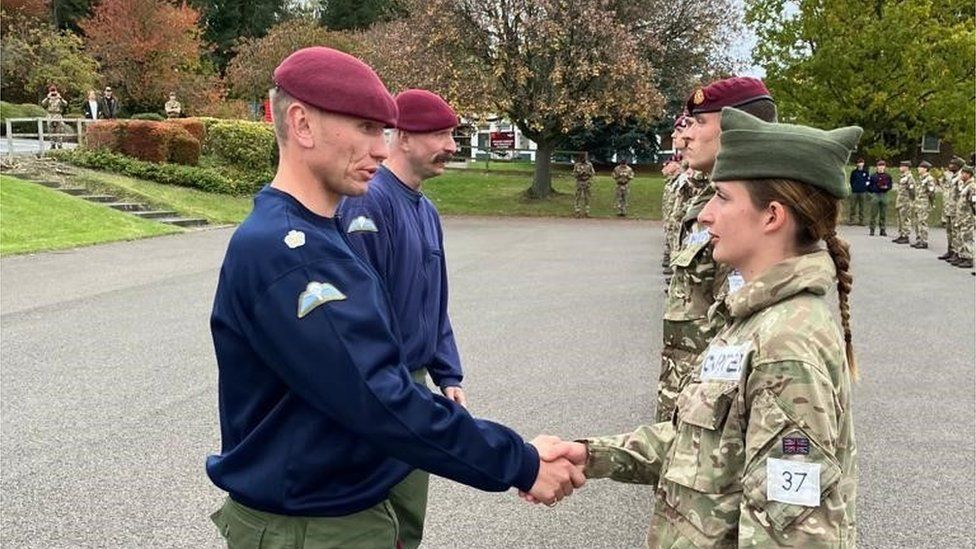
(724, 362)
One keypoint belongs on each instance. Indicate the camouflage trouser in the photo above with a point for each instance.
(922, 209)
(55, 128)
(906, 214)
(622, 192)
(582, 202)
(959, 223)
(965, 229)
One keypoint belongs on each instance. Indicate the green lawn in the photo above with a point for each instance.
(34, 218)
(460, 193)
(216, 208)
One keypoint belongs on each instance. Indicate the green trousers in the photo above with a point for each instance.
(396, 523)
(879, 209)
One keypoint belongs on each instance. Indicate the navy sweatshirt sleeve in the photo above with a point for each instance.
(366, 390)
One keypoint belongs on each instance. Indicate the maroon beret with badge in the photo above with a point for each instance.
(422, 111)
(731, 92)
(681, 121)
(336, 82)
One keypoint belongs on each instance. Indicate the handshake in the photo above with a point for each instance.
(560, 470)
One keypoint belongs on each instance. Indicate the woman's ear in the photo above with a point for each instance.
(775, 217)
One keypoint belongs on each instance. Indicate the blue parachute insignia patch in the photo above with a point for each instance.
(362, 224)
(315, 294)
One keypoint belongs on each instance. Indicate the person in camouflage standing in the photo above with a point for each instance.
(671, 172)
(964, 218)
(698, 281)
(622, 175)
(762, 450)
(55, 106)
(583, 172)
(924, 196)
(959, 213)
(948, 186)
(904, 202)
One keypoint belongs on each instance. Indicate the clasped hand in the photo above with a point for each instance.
(560, 470)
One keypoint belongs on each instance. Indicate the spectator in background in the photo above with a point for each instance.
(55, 105)
(109, 106)
(92, 108)
(878, 185)
(174, 109)
(859, 188)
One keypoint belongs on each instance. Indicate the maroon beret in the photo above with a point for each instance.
(422, 111)
(336, 82)
(681, 121)
(731, 92)
(881, 163)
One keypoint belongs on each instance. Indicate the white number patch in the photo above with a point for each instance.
(724, 363)
(794, 482)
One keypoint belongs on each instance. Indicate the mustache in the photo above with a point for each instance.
(443, 157)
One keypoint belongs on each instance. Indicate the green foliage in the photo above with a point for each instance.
(359, 14)
(35, 55)
(248, 146)
(184, 149)
(227, 21)
(206, 179)
(67, 13)
(898, 69)
(36, 218)
(27, 110)
(632, 138)
(148, 116)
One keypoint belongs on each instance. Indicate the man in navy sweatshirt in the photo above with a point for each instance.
(320, 418)
(859, 188)
(397, 230)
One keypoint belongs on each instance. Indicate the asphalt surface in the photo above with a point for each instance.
(108, 401)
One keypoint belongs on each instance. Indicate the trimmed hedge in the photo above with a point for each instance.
(195, 126)
(154, 116)
(243, 144)
(145, 140)
(204, 179)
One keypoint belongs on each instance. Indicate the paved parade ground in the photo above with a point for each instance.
(108, 399)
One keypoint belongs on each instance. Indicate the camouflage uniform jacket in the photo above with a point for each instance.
(927, 187)
(767, 414)
(622, 174)
(583, 172)
(54, 106)
(906, 188)
(698, 285)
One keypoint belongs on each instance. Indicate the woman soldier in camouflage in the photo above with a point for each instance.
(761, 451)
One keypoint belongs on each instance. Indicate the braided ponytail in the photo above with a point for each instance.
(840, 252)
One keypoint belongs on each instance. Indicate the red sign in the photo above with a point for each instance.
(502, 140)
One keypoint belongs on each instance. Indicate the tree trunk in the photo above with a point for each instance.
(542, 180)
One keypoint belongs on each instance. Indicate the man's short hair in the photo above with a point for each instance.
(280, 101)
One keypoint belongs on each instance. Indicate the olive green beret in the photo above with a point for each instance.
(753, 149)
(957, 162)
(925, 164)
(968, 169)
(907, 163)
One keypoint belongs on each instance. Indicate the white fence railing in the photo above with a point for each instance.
(48, 130)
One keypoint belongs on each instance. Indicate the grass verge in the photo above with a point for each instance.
(34, 218)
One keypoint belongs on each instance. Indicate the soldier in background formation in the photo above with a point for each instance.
(859, 191)
(905, 201)
(622, 175)
(948, 185)
(583, 173)
(963, 220)
(924, 198)
(55, 106)
(672, 172)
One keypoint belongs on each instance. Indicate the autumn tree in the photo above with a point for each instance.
(898, 69)
(547, 65)
(34, 55)
(249, 73)
(148, 48)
